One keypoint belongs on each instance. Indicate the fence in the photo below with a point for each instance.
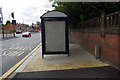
(113, 19)
(110, 22)
(92, 23)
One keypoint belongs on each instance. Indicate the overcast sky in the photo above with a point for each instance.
(27, 11)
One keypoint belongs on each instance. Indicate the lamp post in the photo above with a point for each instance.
(1, 21)
(2, 31)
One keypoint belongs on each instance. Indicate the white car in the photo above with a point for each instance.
(26, 34)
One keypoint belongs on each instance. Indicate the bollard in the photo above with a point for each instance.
(97, 51)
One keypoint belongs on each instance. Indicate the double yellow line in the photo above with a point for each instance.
(18, 64)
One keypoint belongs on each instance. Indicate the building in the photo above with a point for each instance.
(9, 28)
(20, 26)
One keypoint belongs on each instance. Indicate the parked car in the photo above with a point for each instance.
(18, 31)
(26, 34)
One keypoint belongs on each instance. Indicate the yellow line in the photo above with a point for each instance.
(18, 64)
(7, 53)
(4, 53)
(23, 49)
(20, 53)
(16, 48)
(15, 53)
(11, 53)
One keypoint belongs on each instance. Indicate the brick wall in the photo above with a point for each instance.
(20, 26)
(8, 30)
(9, 27)
(110, 45)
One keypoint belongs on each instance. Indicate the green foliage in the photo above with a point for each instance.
(26, 26)
(7, 22)
(78, 11)
(13, 30)
(38, 23)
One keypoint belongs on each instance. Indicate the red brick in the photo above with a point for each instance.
(109, 44)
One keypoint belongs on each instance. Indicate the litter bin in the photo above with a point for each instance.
(54, 28)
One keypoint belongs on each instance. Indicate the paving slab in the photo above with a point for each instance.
(79, 58)
(80, 64)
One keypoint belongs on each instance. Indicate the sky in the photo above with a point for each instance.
(25, 11)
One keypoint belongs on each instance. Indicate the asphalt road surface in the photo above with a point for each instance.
(15, 49)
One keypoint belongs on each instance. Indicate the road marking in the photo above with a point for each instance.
(18, 64)
(30, 48)
(11, 53)
(16, 48)
(11, 47)
(20, 53)
(16, 52)
(23, 49)
(4, 53)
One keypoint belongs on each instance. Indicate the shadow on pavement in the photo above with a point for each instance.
(97, 73)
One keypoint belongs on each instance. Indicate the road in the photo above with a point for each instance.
(15, 49)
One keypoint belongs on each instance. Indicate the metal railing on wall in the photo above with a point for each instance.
(113, 19)
(108, 24)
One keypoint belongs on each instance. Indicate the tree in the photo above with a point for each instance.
(79, 11)
(7, 22)
(38, 23)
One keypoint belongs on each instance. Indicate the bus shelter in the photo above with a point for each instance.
(54, 28)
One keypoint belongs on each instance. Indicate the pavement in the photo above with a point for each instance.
(1, 36)
(80, 64)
